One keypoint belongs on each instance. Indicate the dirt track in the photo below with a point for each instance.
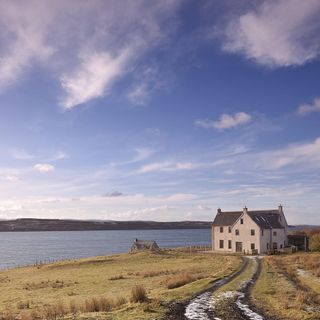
(229, 305)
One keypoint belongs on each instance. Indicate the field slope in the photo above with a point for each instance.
(101, 287)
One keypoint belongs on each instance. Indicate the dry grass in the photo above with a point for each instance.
(85, 285)
(138, 294)
(284, 293)
(120, 277)
(180, 280)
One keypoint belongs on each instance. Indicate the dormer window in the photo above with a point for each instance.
(221, 229)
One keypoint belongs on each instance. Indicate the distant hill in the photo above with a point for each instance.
(301, 227)
(31, 224)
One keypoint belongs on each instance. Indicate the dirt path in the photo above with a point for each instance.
(223, 305)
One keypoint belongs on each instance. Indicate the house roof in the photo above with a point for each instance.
(141, 244)
(265, 219)
(226, 218)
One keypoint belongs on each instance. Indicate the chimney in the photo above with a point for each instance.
(245, 209)
(219, 210)
(280, 208)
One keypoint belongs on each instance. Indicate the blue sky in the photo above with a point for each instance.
(159, 110)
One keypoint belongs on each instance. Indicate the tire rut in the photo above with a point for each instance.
(236, 307)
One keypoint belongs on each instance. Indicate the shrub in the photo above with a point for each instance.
(315, 242)
(117, 277)
(105, 304)
(120, 301)
(73, 307)
(138, 294)
(180, 280)
(23, 304)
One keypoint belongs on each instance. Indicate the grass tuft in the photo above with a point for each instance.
(139, 294)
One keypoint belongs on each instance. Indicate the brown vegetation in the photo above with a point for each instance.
(138, 294)
(180, 280)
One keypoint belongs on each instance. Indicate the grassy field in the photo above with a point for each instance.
(289, 286)
(101, 287)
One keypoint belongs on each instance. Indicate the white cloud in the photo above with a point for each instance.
(226, 121)
(140, 214)
(204, 207)
(60, 155)
(309, 108)
(139, 94)
(87, 45)
(44, 167)
(11, 178)
(142, 154)
(21, 154)
(300, 154)
(24, 31)
(93, 77)
(167, 166)
(277, 33)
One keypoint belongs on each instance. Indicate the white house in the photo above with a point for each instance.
(247, 231)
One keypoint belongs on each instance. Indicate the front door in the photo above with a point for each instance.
(238, 246)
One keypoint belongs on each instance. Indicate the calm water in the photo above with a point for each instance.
(24, 248)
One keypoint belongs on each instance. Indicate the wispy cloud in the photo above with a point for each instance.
(44, 167)
(140, 214)
(93, 77)
(306, 154)
(167, 166)
(88, 59)
(24, 30)
(142, 154)
(305, 109)
(21, 154)
(276, 33)
(225, 121)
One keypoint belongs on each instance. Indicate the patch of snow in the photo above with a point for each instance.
(302, 272)
(247, 311)
(198, 307)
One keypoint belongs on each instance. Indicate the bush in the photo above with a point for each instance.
(315, 242)
(138, 294)
(180, 280)
(120, 301)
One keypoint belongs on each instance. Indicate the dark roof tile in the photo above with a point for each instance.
(226, 218)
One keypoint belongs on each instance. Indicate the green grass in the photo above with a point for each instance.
(59, 285)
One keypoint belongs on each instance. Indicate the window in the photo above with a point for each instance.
(229, 244)
(221, 229)
(241, 221)
(252, 246)
(262, 232)
(253, 232)
(281, 246)
(237, 232)
(275, 246)
(229, 229)
(221, 244)
(267, 246)
(275, 233)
